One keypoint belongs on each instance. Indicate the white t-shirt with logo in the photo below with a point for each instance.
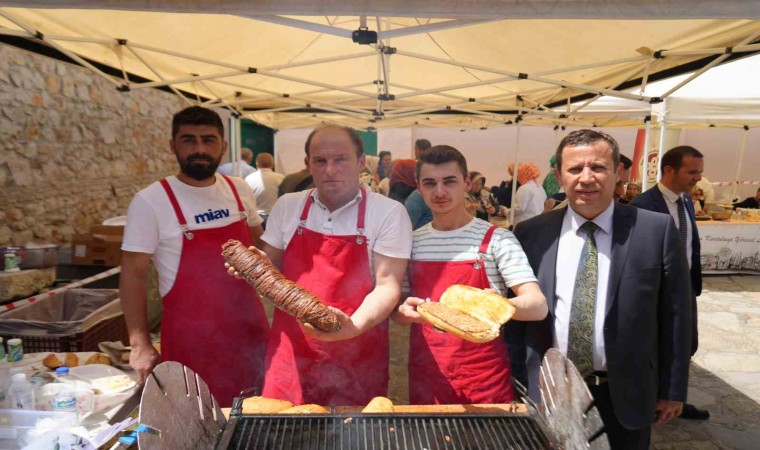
(152, 225)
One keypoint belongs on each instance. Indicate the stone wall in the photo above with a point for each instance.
(73, 150)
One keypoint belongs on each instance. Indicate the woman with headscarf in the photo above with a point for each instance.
(530, 197)
(403, 179)
(479, 201)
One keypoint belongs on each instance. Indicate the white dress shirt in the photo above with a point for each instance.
(571, 243)
(264, 183)
(670, 200)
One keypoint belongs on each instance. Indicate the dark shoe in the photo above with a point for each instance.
(691, 412)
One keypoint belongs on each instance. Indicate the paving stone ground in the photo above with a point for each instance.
(725, 372)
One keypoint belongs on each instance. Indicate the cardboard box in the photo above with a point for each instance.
(101, 247)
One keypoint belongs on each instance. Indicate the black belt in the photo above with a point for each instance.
(597, 378)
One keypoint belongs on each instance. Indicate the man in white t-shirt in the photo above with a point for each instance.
(265, 182)
(240, 168)
(211, 322)
(456, 248)
(349, 247)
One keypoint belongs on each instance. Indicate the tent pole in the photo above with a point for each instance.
(663, 129)
(742, 147)
(516, 166)
(645, 168)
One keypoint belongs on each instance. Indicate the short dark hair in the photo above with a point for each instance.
(422, 144)
(627, 163)
(197, 115)
(674, 157)
(587, 137)
(354, 135)
(442, 154)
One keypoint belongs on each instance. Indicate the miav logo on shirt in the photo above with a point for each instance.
(212, 215)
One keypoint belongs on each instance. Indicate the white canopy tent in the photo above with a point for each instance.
(473, 64)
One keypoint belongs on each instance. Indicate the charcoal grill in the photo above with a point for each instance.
(391, 431)
(180, 413)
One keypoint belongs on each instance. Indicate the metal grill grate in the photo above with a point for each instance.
(401, 431)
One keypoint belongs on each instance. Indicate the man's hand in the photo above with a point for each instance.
(143, 358)
(667, 410)
(407, 313)
(231, 270)
(347, 329)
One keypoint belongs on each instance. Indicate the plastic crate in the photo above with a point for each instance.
(47, 326)
(17, 427)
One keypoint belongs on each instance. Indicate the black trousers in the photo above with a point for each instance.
(620, 437)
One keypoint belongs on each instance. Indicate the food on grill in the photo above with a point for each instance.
(286, 295)
(379, 405)
(263, 405)
(472, 314)
(52, 362)
(71, 360)
(305, 409)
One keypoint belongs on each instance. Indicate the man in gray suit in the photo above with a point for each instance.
(613, 277)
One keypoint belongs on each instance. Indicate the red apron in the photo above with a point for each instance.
(445, 369)
(212, 322)
(302, 370)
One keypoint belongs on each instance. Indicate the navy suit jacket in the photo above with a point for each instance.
(653, 200)
(647, 326)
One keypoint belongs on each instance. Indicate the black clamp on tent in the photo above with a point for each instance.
(364, 36)
(655, 100)
(388, 50)
(386, 97)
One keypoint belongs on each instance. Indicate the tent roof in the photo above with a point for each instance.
(295, 71)
(725, 96)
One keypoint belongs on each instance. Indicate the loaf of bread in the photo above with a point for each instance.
(305, 409)
(51, 361)
(472, 314)
(264, 405)
(72, 360)
(379, 405)
(260, 273)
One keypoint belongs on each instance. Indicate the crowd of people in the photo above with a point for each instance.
(612, 285)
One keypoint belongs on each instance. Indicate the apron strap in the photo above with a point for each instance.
(486, 240)
(241, 208)
(362, 211)
(175, 204)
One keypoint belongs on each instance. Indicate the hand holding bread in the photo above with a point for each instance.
(472, 314)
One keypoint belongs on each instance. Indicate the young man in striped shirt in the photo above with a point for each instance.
(456, 248)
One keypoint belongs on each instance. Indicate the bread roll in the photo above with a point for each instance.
(263, 405)
(286, 295)
(94, 359)
(72, 360)
(305, 409)
(379, 405)
(52, 362)
(469, 313)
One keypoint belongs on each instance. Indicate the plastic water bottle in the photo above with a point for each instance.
(66, 400)
(21, 392)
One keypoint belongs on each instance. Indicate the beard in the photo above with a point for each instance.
(192, 167)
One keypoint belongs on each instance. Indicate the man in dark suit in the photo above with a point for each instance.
(681, 169)
(611, 275)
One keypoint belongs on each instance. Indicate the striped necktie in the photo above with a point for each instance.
(682, 230)
(580, 340)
